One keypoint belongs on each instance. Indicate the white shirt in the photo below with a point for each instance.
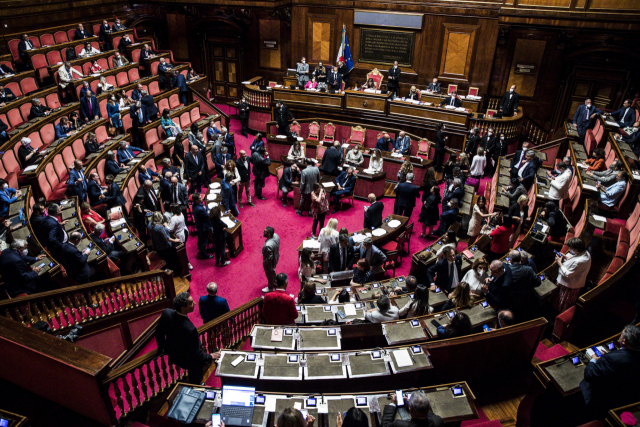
(410, 309)
(478, 165)
(377, 316)
(559, 186)
(475, 282)
(522, 169)
(178, 227)
(375, 165)
(305, 271)
(573, 272)
(326, 241)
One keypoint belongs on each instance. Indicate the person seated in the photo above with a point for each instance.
(367, 250)
(6, 95)
(38, 110)
(413, 94)
(81, 33)
(459, 298)
(354, 157)
(514, 191)
(192, 74)
(295, 152)
(419, 408)
(75, 262)
(609, 196)
(526, 173)
(345, 183)
(451, 100)
(126, 152)
(279, 308)
(164, 67)
(145, 174)
(608, 177)
(4, 136)
(418, 305)
(124, 42)
(308, 295)
(104, 86)
(311, 84)
(385, 312)
(341, 296)
(63, 130)
(434, 86)
(384, 142)
(450, 239)
(27, 155)
(90, 218)
(459, 326)
(168, 125)
(626, 115)
(88, 50)
(5, 69)
(119, 60)
(370, 84)
(455, 192)
(118, 26)
(95, 192)
(448, 217)
(113, 166)
(75, 122)
(7, 196)
(290, 176)
(402, 144)
(17, 274)
(106, 244)
(597, 163)
(95, 68)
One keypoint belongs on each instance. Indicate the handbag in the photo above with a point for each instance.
(111, 129)
(186, 406)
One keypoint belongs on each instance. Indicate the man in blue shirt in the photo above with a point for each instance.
(126, 152)
(63, 129)
(609, 196)
(145, 174)
(7, 196)
(211, 305)
(403, 144)
(78, 181)
(384, 142)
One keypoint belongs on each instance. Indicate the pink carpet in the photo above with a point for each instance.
(243, 279)
(544, 353)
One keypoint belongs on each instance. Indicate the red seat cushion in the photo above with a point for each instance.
(622, 250)
(623, 237)
(615, 265)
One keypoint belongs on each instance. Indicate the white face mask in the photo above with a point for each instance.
(480, 271)
(588, 105)
(113, 98)
(24, 252)
(511, 90)
(5, 186)
(490, 133)
(502, 138)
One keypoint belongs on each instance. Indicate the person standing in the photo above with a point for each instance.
(584, 116)
(319, 207)
(279, 308)
(201, 218)
(244, 170)
(406, 195)
(211, 305)
(373, 213)
(394, 79)
(308, 178)
(243, 115)
(219, 231)
(282, 114)
(441, 140)
(270, 257)
(509, 103)
(302, 71)
(572, 274)
(194, 164)
(429, 214)
(261, 162)
(178, 338)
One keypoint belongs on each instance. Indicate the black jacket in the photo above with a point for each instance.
(334, 257)
(112, 167)
(79, 35)
(457, 193)
(113, 197)
(471, 147)
(37, 111)
(447, 101)
(440, 142)
(406, 195)
(282, 115)
(499, 295)
(244, 172)
(523, 280)
(106, 247)
(122, 46)
(75, 263)
(509, 103)
(288, 177)
(148, 202)
(7, 96)
(389, 414)
(438, 273)
(94, 191)
(331, 160)
(373, 215)
(260, 165)
(16, 273)
(395, 73)
(150, 106)
(178, 338)
(487, 141)
(191, 167)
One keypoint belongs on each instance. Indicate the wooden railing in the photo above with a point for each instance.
(136, 383)
(534, 132)
(80, 305)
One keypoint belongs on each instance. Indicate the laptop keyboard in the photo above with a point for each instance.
(236, 412)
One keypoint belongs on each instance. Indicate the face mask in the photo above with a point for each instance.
(502, 138)
(5, 186)
(113, 98)
(490, 133)
(511, 91)
(588, 105)
(481, 271)
(24, 252)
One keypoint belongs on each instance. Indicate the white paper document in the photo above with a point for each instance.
(611, 123)
(30, 168)
(328, 184)
(228, 222)
(270, 404)
(350, 309)
(211, 196)
(402, 358)
(599, 218)
(311, 244)
(589, 187)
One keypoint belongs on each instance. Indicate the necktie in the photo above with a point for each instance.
(452, 98)
(195, 158)
(450, 274)
(175, 194)
(153, 197)
(140, 119)
(88, 102)
(587, 116)
(126, 153)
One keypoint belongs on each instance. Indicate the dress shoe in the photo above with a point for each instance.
(252, 205)
(334, 211)
(298, 213)
(240, 205)
(262, 198)
(284, 205)
(266, 290)
(208, 256)
(225, 263)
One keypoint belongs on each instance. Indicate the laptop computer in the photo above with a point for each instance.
(237, 405)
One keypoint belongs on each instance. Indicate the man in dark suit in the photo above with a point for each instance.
(105, 29)
(150, 106)
(394, 79)
(211, 305)
(384, 142)
(111, 166)
(584, 117)
(471, 146)
(18, 276)
(28, 155)
(38, 110)
(37, 223)
(77, 181)
(177, 193)
(150, 200)
(221, 160)
(94, 190)
(4, 136)
(518, 159)
(228, 195)
(194, 165)
(52, 229)
(138, 114)
(447, 272)
(334, 80)
(625, 116)
(402, 144)
(290, 175)
(117, 25)
(6, 95)
(113, 196)
(244, 170)
(456, 193)
(282, 115)
(74, 261)
(498, 289)
(448, 216)
(494, 151)
(419, 408)
(81, 33)
(406, 195)
(261, 161)
(23, 46)
(523, 279)
(373, 213)
(243, 115)
(5, 70)
(611, 381)
(178, 338)
(332, 160)
(145, 54)
(168, 167)
(63, 130)
(527, 172)
(509, 103)
(107, 246)
(89, 107)
(434, 86)
(370, 252)
(439, 147)
(487, 139)
(124, 42)
(452, 100)
(203, 225)
(345, 183)
(136, 95)
(341, 255)
(165, 189)
(164, 67)
(126, 153)
(178, 81)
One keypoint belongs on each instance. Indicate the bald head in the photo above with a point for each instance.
(496, 268)
(212, 289)
(371, 198)
(174, 180)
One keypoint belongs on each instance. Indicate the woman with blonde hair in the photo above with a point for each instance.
(319, 207)
(375, 163)
(163, 243)
(478, 164)
(518, 212)
(464, 163)
(231, 168)
(327, 237)
(459, 298)
(103, 85)
(413, 94)
(405, 169)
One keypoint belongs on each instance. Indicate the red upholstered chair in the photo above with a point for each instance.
(79, 48)
(94, 86)
(376, 76)
(71, 33)
(54, 57)
(35, 41)
(162, 104)
(13, 48)
(39, 62)
(134, 74)
(78, 149)
(122, 79)
(48, 134)
(452, 88)
(491, 113)
(295, 127)
(590, 143)
(14, 117)
(52, 100)
(103, 107)
(135, 55)
(24, 110)
(96, 28)
(195, 114)
(279, 172)
(14, 87)
(561, 327)
(116, 41)
(112, 81)
(60, 37)
(185, 120)
(36, 141)
(86, 68)
(314, 131)
(154, 88)
(154, 68)
(473, 91)
(320, 151)
(329, 132)
(357, 135)
(28, 85)
(151, 138)
(127, 123)
(174, 101)
(101, 134)
(616, 208)
(103, 63)
(423, 147)
(391, 263)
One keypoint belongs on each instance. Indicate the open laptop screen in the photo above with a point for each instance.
(238, 396)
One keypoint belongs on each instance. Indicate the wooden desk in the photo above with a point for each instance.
(366, 101)
(59, 47)
(18, 77)
(470, 104)
(293, 97)
(79, 62)
(391, 165)
(113, 35)
(429, 113)
(510, 126)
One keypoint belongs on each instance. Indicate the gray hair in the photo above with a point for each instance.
(99, 228)
(224, 149)
(368, 241)
(110, 155)
(457, 182)
(531, 153)
(498, 265)
(34, 100)
(25, 140)
(212, 288)
(18, 243)
(419, 404)
(53, 208)
(350, 170)
(409, 176)
(631, 334)
(223, 129)
(165, 161)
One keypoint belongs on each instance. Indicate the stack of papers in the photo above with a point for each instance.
(450, 107)
(345, 145)
(474, 97)
(30, 168)
(370, 171)
(611, 123)
(117, 223)
(461, 109)
(212, 205)
(310, 244)
(228, 222)
(599, 218)
(589, 187)
(402, 358)
(350, 309)
(396, 155)
(171, 138)
(394, 223)
(281, 136)
(328, 184)
(300, 138)
(379, 232)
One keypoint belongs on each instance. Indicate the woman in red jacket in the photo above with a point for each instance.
(500, 238)
(597, 163)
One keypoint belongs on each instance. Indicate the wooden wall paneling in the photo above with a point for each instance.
(546, 3)
(269, 29)
(321, 38)
(529, 52)
(177, 31)
(614, 5)
(457, 51)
